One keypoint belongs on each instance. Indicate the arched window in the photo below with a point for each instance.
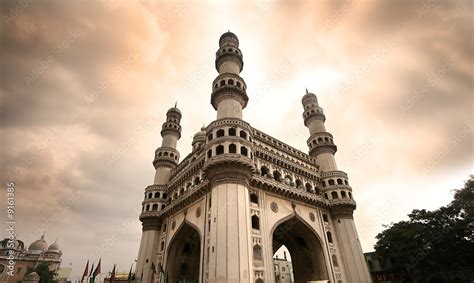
(331, 182)
(320, 140)
(277, 175)
(243, 134)
(309, 188)
(150, 195)
(181, 192)
(239, 84)
(243, 150)
(209, 153)
(147, 207)
(163, 207)
(219, 149)
(196, 180)
(264, 171)
(232, 132)
(231, 82)
(339, 182)
(155, 207)
(164, 195)
(255, 222)
(299, 184)
(323, 183)
(209, 137)
(232, 148)
(326, 196)
(254, 198)
(162, 246)
(188, 186)
(350, 195)
(157, 195)
(329, 235)
(345, 182)
(334, 195)
(343, 194)
(334, 260)
(222, 82)
(257, 252)
(220, 133)
(325, 217)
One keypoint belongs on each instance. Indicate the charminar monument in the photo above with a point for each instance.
(221, 213)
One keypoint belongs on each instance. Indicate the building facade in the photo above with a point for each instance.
(283, 270)
(26, 259)
(221, 213)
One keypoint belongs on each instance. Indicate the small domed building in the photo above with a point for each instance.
(38, 252)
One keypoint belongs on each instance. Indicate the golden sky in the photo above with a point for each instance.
(85, 86)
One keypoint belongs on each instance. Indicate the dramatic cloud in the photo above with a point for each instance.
(85, 86)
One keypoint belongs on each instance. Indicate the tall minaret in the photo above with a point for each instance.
(336, 188)
(228, 167)
(229, 95)
(166, 159)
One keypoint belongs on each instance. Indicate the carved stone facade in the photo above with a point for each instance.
(221, 213)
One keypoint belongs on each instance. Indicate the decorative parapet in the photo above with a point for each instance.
(262, 137)
(188, 198)
(291, 193)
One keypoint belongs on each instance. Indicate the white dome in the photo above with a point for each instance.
(38, 245)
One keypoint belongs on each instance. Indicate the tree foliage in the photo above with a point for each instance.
(439, 240)
(46, 275)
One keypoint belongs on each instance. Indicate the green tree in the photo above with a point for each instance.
(433, 241)
(46, 275)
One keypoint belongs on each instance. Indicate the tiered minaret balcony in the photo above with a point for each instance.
(320, 143)
(166, 156)
(229, 86)
(229, 154)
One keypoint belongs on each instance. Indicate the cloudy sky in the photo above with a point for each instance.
(85, 86)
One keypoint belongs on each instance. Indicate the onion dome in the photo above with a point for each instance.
(38, 245)
(309, 97)
(228, 38)
(54, 247)
(199, 138)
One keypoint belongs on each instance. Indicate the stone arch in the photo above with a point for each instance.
(183, 255)
(264, 170)
(305, 247)
(232, 148)
(219, 149)
(220, 133)
(254, 198)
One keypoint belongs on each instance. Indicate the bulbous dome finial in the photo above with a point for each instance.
(228, 38)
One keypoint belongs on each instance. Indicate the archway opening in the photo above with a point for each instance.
(184, 256)
(304, 248)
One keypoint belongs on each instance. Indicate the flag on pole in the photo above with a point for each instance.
(130, 274)
(97, 270)
(112, 276)
(86, 270)
(90, 274)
